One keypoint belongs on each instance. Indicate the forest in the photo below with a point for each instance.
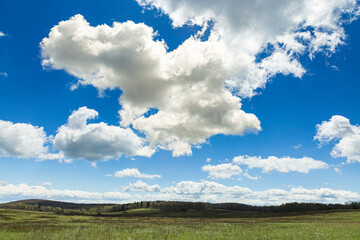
(100, 209)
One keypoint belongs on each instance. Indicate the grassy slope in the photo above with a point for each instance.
(153, 224)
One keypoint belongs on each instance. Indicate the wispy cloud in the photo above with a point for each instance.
(297, 146)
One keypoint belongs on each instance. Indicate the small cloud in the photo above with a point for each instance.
(2, 34)
(224, 161)
(3, 74)
(22, 140)
(66, 160)
(335, 68)
(93, 164)
(141, 186)
(297, 146)
(208, 160)
(46, 184)
(134, 172)
(346, 135)
(246, 174)
(223, 171)
(337, 170)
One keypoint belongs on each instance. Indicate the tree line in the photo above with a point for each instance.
(94, 209)
(184, 206)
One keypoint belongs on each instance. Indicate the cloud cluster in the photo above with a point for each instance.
(283, 165)
(141, 186)
(77, 139)
(96, 141)
(223, 171)
(21, 140)
(185, 87)
(182, 191)
(181, 98)
(215, 192)
(134, 172)
(281, 30)
(43, 192)
(348, 136)
(267, 165)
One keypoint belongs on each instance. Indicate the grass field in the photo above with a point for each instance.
(155, 224)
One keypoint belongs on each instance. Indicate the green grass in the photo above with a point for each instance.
(156, 224)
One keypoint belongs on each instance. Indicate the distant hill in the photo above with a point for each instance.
(50, 203)
(169, 206)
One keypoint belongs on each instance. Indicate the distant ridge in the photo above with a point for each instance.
(94, 208)
(51, 203)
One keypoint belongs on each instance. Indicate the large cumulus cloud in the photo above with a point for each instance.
(185, 86)
(193, 92)
(281, 29)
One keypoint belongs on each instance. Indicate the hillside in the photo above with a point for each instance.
(167, 206)
(51, 203)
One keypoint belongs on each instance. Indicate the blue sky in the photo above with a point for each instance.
(294, 135)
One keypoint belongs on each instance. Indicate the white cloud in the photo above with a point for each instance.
(204, 188)
(348, 136)
(53, 156)
(208, 160)
(134, 172)
(337, 170)
(215, 192)
(141, 186)
(3, 74)
(193, 91)
(22, 140)
(74, 140)
(185, 86)
(21, 191)
(222, 171)
(249, 27)
(96, 141)
(335, 68)
(182, 191)
(297, 146)
(46, 184)
(2, 34)
(284, 164)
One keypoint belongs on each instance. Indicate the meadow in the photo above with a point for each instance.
(157, 224)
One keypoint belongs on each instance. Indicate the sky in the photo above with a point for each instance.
(137, 100)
